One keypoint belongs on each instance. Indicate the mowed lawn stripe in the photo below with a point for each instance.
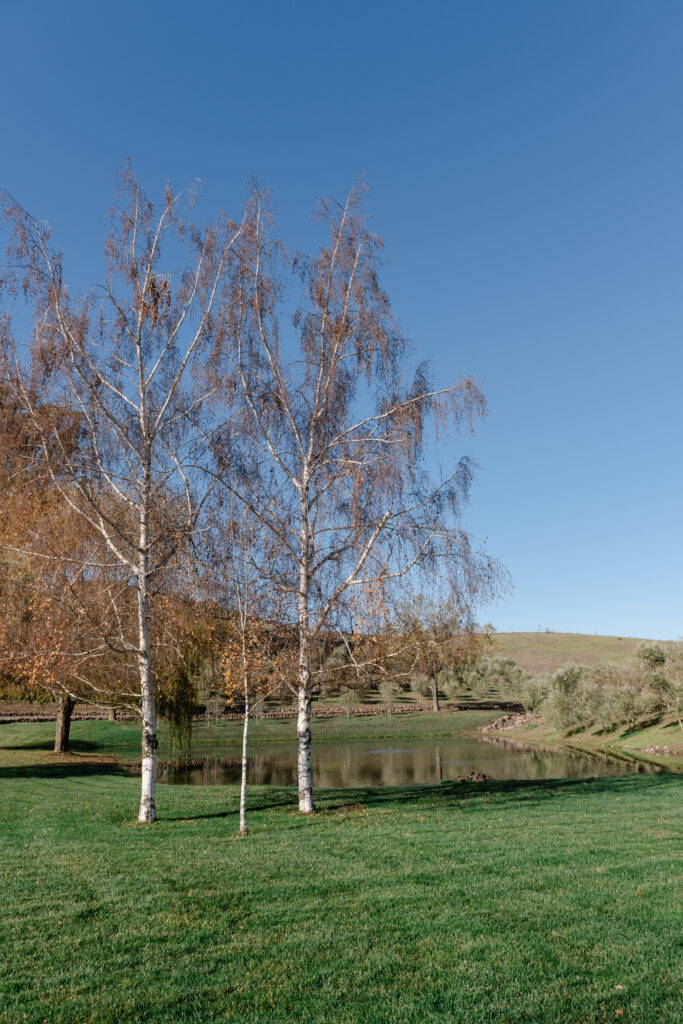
(498, 902)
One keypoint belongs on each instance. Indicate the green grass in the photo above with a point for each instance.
(545, 652)
(505, 902)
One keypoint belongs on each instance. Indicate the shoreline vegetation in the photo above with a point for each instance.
(658, 742)
(497, 715)
(95, 739)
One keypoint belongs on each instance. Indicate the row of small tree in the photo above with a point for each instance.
(195, 433)
(579, 697)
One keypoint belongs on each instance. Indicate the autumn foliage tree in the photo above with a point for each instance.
(55, 618)
(50, 647)
(429, 637)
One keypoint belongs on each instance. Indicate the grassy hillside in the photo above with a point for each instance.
(544, 652)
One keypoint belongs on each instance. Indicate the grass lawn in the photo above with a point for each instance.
(500, 902)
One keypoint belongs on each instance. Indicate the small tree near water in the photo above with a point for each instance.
(430, 638)
(258, 654)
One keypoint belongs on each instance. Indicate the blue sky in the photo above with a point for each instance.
(525, 166)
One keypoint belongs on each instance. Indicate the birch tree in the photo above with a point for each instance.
(256, 658)
(127, 358)
(329, 454)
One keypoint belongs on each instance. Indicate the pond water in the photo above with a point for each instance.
(337, 764)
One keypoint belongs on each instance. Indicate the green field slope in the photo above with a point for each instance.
(545, 652)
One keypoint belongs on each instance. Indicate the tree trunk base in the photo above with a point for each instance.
(304, 777)
(63, 724)
(149, 773)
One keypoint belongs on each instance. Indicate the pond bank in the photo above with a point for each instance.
(653, 743)
(369, 751)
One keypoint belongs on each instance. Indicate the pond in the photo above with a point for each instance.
(337, 764)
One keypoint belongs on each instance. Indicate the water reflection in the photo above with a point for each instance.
(344, 764)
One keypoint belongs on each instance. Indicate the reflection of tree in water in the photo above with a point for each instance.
(340, 765)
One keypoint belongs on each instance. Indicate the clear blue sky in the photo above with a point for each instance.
(525, 164)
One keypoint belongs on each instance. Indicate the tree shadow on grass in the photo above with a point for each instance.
(642, 724)
(281, 797)
(449, 793)
(46, 744)
(444, 794)
(66, 770)
(75, 746)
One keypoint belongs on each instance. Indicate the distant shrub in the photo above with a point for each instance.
(534, 691)
(215, 706)
(348, 701)
(564, 706)
(387, 694)
(501, 675)
(419, 684)
(653, 655)
(577, 697)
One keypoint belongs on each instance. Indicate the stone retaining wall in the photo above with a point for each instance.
(508, 722)
(361, 711)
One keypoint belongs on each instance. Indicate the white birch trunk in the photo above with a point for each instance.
(245, 764)
(149, 760)
(149, 711)
(305, 780)
(303, 725)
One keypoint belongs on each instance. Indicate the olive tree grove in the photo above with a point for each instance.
(429, 638)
